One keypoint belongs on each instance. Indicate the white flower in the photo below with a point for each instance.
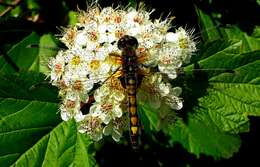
(160, 91)
(98, 70)
(81, 39)
(107, 111)
(88, 62)
(171, 37)
(183, 40)
(68, 37)
(108, 104)
(116, 127)
(169, 59)
(113, 131)
(70, 107)
(92, 125)
(107, 34)
(57, 66)
(105, 92)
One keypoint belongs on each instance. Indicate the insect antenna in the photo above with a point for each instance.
(45, 47)
(43, 83)
(181, 70)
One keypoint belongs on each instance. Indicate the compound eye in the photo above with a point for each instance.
(127, 42)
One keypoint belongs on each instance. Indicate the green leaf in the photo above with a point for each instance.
(27, 86)
(210, 31)
(72, 17)
(149, 117)
(31, 58)
(219, 101)
(48, 48)
(199, 135)
(156, 119)
(25, 115)
(31, 4)
(256, 32)
(232, 97)
(248, 43)
(15, 12)
(63, 146)
(23, 56)
(28, 111)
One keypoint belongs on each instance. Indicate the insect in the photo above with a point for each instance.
(128, 45)
(109, 54)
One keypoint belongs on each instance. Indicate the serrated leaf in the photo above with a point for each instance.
(48, 48)
(237, 98)
(28, 111)
(211, 48)
(210, 31)
(31, 58)
(248, 43)
(23, 56)
(223, 99)
(200, 136)
(63, 146)
(211, 62)
(25, 115)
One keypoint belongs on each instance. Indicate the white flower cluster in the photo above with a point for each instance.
(87, 62)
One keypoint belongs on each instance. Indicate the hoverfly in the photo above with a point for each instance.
(132, 70)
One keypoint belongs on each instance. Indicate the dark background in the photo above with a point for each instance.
(243, 13)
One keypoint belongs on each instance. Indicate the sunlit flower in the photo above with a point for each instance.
(184, 41)
(108, 104)
(69, 36)
(88, 63)
(108, 110)
(98, 70)
(70, 107)
(116, 128)
(57, 66)
(92, 125)
(161, 92)
(173, 100)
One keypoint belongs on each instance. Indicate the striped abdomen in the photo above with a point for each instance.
(128, 46)
(131, 86)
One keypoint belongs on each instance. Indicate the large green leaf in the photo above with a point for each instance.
(149, 117)
(27, 86)
(235, 98)
(200, 136)
(63, 146)
(222, 100)
(48, 48)
(28, 111)
(23, 56)
(28, 56)
(249, 43)
(211, 32)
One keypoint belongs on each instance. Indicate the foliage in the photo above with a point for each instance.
(217, 103)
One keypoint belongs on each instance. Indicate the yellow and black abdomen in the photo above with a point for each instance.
(128, 45)
(131, 86)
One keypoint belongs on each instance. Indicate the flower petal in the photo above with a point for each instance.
(116, 135)
(117, 111)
